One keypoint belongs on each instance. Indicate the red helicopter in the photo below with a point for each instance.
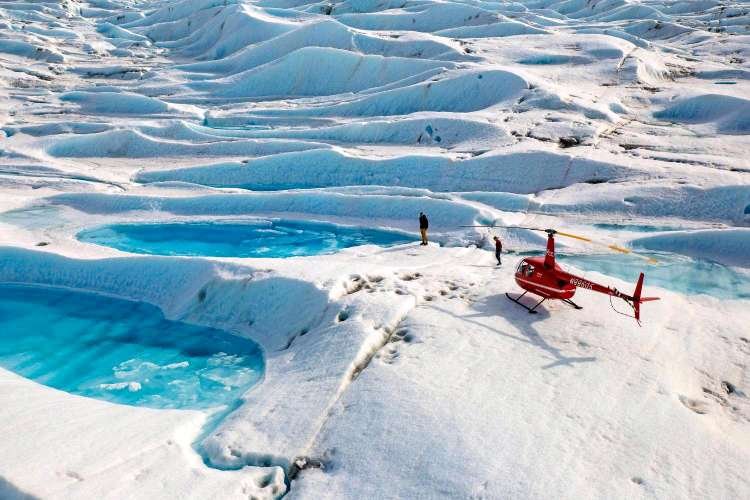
(542, 276)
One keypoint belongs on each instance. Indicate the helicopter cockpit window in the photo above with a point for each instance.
(525, 269)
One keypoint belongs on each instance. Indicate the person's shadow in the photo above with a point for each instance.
(499, 305)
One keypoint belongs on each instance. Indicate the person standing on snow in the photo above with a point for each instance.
(498, 250)
(423, 225)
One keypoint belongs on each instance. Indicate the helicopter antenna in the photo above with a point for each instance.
(612, 305)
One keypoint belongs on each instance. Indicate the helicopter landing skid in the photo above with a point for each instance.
(570, 302)
(532, 310)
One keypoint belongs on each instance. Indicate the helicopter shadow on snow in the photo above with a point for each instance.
(499, 305)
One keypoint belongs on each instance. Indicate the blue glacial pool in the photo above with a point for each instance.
(262, 238)
(121, 351)
(673, 272)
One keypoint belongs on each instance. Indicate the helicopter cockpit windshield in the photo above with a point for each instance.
(525, 269)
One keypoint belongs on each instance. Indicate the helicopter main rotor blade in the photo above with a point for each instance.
(609, 246)
(507, 227)
(569, 235)
(614, 248)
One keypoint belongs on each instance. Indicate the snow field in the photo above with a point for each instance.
(391, 372)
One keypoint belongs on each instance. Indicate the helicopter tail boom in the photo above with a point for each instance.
(634, 301)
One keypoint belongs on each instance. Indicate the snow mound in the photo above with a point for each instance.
(120, 34)
(629, 12)
(134, 144)
(461, 91)
(428, 17)
(437, 131)
(27, 50)
(176, 10)
(656, 29)
(731, 114)
(494, 30)
(182, 130)
(552, 59)
(728, 203)
(323, 33)
(57, 128)
(229, 296)
(219, 31)
(330, 168)
(115, 102)
(727, 246)
(399, 211)
(313, 71)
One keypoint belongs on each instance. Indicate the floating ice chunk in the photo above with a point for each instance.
(174, 366)
(224, 359)
(118, 386)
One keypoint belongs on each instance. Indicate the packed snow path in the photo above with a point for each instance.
(401, 372)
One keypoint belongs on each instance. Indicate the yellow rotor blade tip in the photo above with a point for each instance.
(618, 249)
(569, 235)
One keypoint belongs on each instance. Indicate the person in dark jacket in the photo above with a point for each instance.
(498, 250)
(423, 225)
